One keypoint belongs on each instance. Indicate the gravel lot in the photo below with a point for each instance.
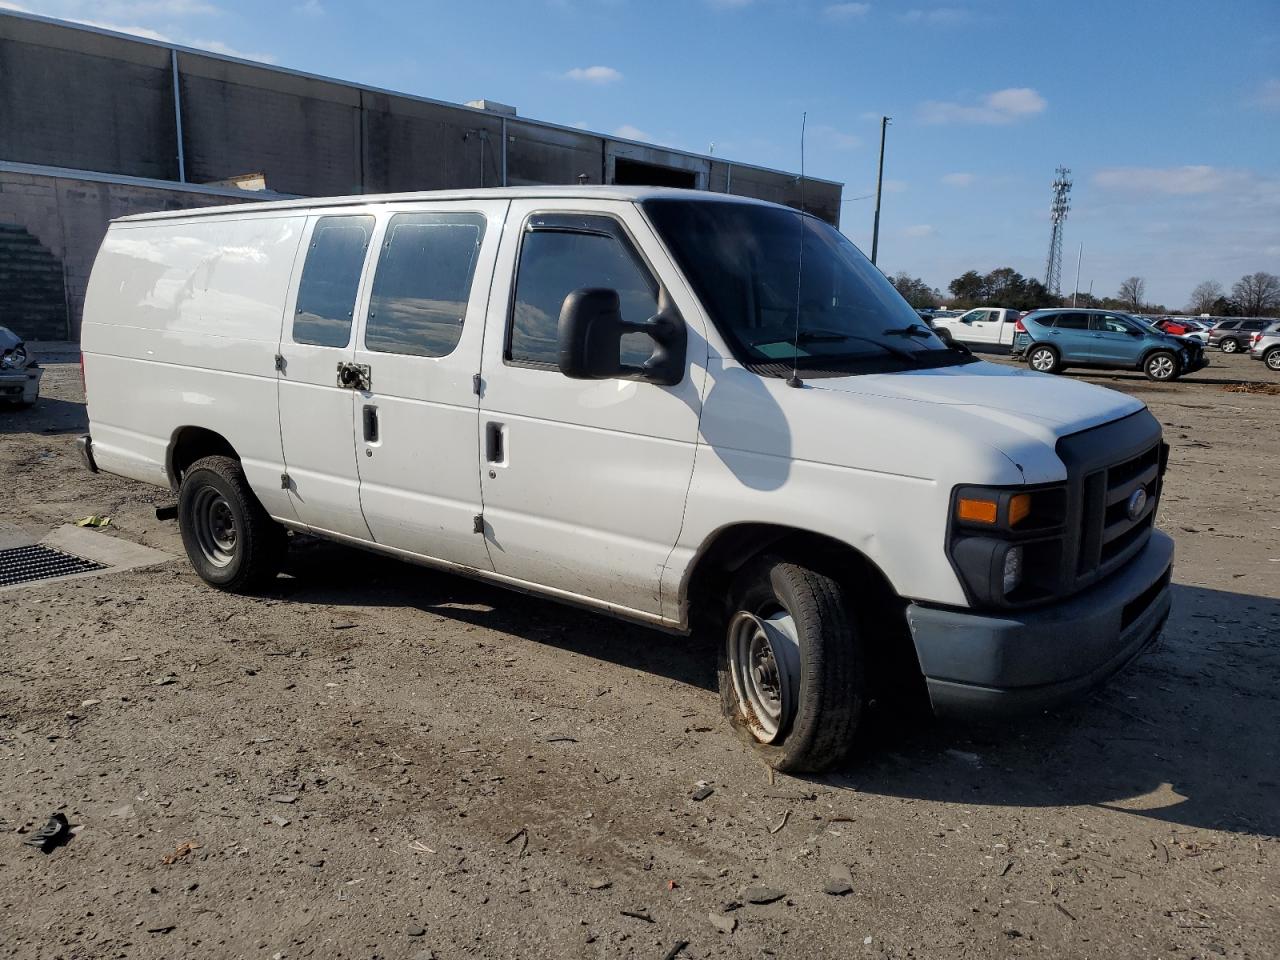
(381, 761)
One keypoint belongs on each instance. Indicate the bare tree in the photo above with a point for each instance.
(1204, 296)
(1131, 293)
(1257, 293)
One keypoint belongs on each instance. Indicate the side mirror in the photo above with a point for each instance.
(591, 329)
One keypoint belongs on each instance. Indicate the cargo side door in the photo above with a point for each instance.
(418, 352)
(316, 344)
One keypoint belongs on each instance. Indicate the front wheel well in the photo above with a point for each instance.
(891, 662)
(188, 445)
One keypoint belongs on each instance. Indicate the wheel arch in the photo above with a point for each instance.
(732, 547)
(188, 444)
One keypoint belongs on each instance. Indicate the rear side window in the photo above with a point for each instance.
(1071, 321)
(563, 253)
(1228, 325)
(423, 282)
(330, 280)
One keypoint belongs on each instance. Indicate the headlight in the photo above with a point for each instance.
(13, 358)
(1006, 545)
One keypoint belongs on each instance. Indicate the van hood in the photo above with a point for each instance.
(1044, 406)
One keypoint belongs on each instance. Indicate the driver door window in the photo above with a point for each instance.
(562, 256)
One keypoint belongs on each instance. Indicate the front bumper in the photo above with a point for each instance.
(1022, 661)
(21, 386)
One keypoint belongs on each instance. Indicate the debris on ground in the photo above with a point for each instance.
(183, 851)
(762, 895)
(93, 521)
(702, 792)
(50, 835)
(724, 922)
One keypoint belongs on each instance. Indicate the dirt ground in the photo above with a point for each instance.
(381, 761)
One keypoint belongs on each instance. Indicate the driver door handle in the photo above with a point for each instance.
(370, 424)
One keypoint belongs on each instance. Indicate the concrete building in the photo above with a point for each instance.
(96, 125)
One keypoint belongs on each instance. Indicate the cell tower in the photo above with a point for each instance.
(1058, 216)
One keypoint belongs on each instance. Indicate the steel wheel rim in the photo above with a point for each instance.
(1273, 360)
(764, 662)
(214, 526)
(1161, 368)
(1042, 360)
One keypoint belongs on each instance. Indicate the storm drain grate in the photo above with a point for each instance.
(23, 564)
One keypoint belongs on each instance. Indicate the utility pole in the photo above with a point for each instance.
(1079, 257)
(875, 230)
(1058, 215)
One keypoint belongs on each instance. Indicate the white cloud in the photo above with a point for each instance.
(310, 8)
(597, 75)
(846, 11)
(958, 179)
(217, 46)
(628, 132)
(919, 230)
(1001, 107)
(1182, 181)
(1268, 96)
(937, 17)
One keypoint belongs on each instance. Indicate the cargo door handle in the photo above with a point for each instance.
(495, 443)
(370, 424)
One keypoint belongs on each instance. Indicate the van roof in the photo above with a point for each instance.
(565, 191)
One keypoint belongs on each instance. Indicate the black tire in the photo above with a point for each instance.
(251, 553)
(1160, 366)
(831, 689)
(1043, 358)
(1272, 359)
(1229, 345)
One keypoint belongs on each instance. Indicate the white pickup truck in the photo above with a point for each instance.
(691, 410)
(984, 326)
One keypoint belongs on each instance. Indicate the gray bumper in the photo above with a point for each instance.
(21, 386)
(1023, 661)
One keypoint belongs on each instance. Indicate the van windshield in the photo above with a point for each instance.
(745, 264)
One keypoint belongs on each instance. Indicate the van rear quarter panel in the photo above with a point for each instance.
(182, 322)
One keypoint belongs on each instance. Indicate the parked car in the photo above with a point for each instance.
(1232, 336)
(984, 326)
(676, 407)
(1266, 346)
(1061, 338)
(19, 373)
(1184, 327)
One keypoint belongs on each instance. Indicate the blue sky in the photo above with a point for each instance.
(1167, 113)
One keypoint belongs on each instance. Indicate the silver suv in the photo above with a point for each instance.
(1266, 346)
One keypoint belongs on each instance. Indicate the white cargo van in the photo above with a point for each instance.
(683, 408)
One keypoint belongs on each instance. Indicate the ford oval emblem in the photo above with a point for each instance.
(1137, 503)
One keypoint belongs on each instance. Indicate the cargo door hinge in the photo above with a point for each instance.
(477, 524)
(279, 362)
(476, 383)
(284, 481)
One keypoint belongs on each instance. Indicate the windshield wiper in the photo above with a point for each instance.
(833, 336)
(914, 330)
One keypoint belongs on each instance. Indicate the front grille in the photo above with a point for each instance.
(1108, 535)
(24, 564)
(1105, 466)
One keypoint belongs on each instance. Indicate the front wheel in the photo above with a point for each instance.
(231, 541)
(1160, 366)
(1272, 358)
(1043, 359)
(1229, 346)
(791, 666)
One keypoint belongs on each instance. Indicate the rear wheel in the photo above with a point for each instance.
(1043, 359)
(231, 541)
(1229, 346)
(791, 666)
(1272, 358)
(1160, 366)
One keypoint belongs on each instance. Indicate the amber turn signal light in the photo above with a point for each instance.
(976, 511)
(1019, 508)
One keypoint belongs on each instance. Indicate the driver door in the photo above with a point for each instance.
(583, 481)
